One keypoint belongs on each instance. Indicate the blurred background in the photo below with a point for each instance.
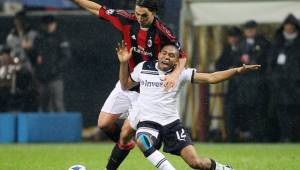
(216, 35)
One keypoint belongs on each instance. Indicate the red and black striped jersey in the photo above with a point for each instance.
(146, 44)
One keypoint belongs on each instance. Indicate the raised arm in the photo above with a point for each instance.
(124, 75)
(89, 6)
(216, 77)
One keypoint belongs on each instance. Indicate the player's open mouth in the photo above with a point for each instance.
(165, 63)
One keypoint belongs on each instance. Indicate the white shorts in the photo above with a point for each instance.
(133, 116)
(120, 101)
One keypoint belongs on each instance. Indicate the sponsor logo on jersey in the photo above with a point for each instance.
(142, 52)
(150, 84)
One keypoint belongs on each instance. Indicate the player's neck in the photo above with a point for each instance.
(163, 70)
(145, 28)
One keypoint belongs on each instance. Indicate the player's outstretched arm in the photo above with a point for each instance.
(89, 6)
(124, 55)
(220, 76)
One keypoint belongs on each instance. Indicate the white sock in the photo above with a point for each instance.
(160, 161)
(222, 167)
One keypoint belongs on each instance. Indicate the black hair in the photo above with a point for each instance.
(250, 24)
(234, 31)
(21, 15)
(48, 19)
(152, 5)
(173, 45)
(291, 19)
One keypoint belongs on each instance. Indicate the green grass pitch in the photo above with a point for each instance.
(94, 156)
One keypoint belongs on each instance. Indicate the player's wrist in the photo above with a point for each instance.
(238, 70)
(123, 62)
(175, 74)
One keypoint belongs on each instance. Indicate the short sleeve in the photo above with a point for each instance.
(187, 75)
(135, 75)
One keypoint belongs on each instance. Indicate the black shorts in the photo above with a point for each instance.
(173, 136)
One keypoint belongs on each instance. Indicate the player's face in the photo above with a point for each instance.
(167, 58)
(144, 16)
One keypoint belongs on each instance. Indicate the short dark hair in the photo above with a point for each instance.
(172, 45)
(48, 19)
(234, 32)
(21, 15)
(250, 24)
(291, 19)
(152, 5)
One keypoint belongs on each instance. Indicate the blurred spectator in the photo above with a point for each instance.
(251, 92)
(5, 79)
(17, 92)
(231, 49)
(229, 57)
(285, 77)
(53, 53)
(20, 39)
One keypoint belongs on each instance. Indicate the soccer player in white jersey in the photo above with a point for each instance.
(158, 118)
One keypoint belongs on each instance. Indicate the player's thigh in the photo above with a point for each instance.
(133, 117)
(106, 120)
(148, 135)
(118, 101)
(175, 138)
(116, 105)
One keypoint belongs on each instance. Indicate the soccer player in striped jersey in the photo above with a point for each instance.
(157, 120)
(145, 34)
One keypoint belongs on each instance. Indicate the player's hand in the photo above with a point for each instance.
(170, 81)
(123, 54)
(248, 68)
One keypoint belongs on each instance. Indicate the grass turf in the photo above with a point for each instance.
(94, 156)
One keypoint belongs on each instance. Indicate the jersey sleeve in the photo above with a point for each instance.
(118, 18)
(135, 75)
(168, 37)
(187, 75)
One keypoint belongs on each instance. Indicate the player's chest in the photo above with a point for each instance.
(152, 81)
(144, 39)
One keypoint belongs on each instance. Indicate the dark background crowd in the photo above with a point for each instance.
(265, 106)
(57, 63)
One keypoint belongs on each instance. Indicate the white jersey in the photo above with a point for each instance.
(154, 103)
